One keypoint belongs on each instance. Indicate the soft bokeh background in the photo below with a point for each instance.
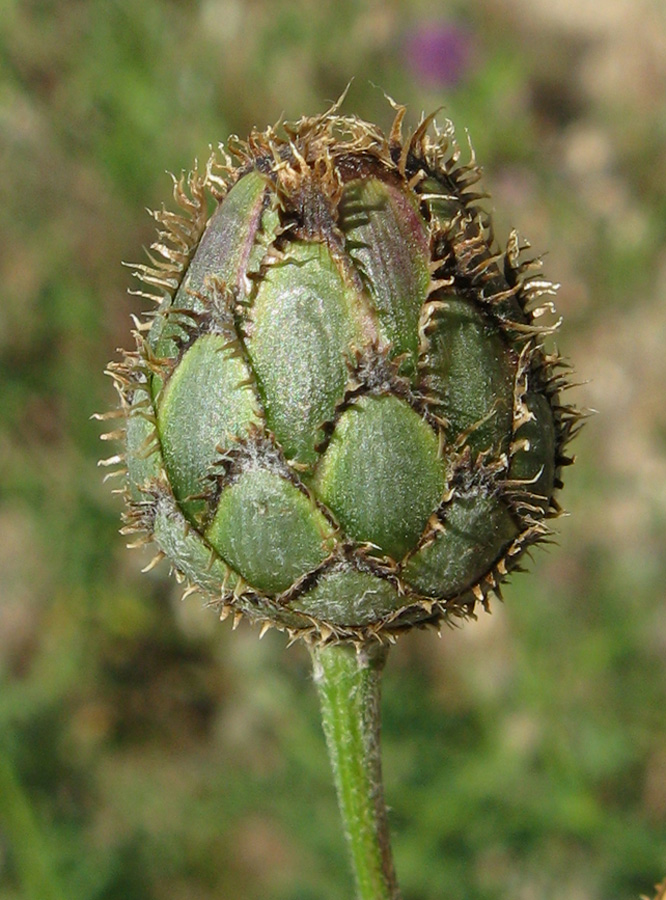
(147, 753)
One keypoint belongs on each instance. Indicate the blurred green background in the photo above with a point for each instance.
(146, 751)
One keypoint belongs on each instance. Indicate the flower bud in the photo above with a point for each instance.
(340, 418)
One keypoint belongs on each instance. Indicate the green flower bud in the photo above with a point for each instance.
(340, 419)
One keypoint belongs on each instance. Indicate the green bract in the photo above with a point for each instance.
(340, 419)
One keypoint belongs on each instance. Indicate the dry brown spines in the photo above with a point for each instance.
(258, 449)
(179, 232)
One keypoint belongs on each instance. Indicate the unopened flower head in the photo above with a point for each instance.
(340, 417)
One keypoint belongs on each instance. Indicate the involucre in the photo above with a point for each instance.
(340, 419)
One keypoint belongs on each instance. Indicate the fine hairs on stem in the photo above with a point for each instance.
(348, 680)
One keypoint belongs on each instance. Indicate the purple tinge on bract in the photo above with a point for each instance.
(438, 53)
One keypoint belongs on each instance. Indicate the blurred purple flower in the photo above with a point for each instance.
(438, 54)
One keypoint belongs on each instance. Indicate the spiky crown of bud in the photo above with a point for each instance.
(341, 418)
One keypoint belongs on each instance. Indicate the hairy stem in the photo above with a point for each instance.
(349, 681)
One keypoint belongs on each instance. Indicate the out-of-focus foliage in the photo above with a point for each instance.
(158, 755)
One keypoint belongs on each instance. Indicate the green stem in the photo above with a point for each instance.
(349, 682)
